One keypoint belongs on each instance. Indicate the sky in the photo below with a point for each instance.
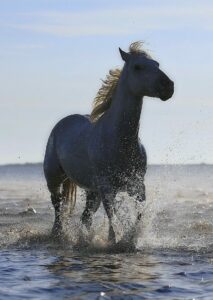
(53, 55)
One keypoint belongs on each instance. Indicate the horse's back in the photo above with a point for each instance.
(74, 123)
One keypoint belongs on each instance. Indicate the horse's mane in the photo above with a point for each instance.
(103, 99)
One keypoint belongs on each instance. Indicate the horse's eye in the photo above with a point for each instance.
(137, 67)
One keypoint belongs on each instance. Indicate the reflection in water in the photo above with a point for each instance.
(112, 268)
(125, 274)
(105, 274)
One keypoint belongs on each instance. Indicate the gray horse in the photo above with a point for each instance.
(102, 152)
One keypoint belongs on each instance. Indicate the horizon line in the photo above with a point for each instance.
(149, 164)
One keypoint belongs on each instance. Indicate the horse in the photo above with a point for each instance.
(102, 152)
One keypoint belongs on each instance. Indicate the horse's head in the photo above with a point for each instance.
(144, 77)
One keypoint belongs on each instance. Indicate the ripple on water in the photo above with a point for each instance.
(65, 274)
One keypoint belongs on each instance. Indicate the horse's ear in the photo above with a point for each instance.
(125, 56)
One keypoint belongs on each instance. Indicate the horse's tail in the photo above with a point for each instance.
(69, 193)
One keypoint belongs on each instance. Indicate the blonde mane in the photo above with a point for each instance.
(103, 99)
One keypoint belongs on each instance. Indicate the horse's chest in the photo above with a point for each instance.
(117, 167)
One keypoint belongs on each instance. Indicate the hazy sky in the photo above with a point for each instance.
(54, 53)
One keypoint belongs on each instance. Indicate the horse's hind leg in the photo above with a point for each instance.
(54, 176)
(57, 199)
(55, 186)
(92, 205)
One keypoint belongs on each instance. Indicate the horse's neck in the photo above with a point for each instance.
(124, 113)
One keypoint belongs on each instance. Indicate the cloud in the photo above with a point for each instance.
(118, 21)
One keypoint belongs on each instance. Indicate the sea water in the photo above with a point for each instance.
(173, 243)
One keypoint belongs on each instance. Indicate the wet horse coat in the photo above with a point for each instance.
(105, 156)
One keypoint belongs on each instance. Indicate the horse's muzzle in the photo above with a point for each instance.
(166, 90)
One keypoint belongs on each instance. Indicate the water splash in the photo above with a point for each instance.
(177, 214)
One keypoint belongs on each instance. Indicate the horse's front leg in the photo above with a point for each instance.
(140, 198)
(108, 203)
(137, 189)
(92, 205)
(107, 195)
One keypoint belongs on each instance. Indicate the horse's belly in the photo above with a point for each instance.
(78, 171)
(76, 165)
(71, 144)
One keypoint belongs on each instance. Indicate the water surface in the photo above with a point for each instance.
(172, 257)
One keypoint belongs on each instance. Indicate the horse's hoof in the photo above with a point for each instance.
(56, 235)
(56, 232)
(124, 246)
